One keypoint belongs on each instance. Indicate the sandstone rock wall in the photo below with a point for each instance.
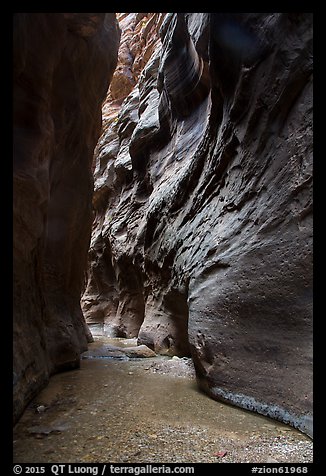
(63, 63)
(202, 242)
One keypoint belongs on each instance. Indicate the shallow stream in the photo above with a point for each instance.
(140, 410)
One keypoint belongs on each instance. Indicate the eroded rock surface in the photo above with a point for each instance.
(63, 63)
(202, 242)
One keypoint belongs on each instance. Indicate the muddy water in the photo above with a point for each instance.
(123, 410)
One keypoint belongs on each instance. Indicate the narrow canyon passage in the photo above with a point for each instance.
(163, 237)
(123, 408)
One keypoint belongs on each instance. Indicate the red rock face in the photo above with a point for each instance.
(202, 242)
(63, 64)
(139, 38)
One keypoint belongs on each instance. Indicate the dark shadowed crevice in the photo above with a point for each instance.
(130, 312)
(165, 326)
(175, 303)
(102, 290)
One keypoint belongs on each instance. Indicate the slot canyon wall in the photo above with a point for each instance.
(202, 239)
(63, 63)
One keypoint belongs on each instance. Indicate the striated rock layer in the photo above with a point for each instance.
(202, 241)
(63, 63)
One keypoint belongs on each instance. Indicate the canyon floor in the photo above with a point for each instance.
(120, 407)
